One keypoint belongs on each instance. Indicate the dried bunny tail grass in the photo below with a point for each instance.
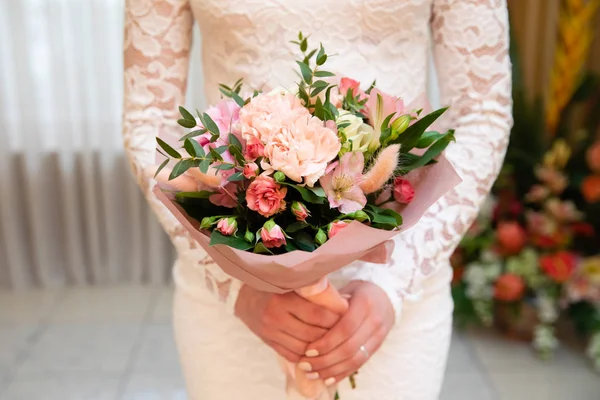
(382, 170)
(182, 182)
(209, 179)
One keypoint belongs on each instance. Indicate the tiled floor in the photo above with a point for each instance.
(116, 344)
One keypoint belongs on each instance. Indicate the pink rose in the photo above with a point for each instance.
(265, 196)
(272, 235)
(403, 191)
(250, 170)
(254, 149)
(227, 226)
(511, 237)
(302, 149)
(350, 84)
(593, 157)
(335, 227)
(299, 210)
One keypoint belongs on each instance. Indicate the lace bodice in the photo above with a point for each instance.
(383, 39)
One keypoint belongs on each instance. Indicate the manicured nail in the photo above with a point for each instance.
(304, 366)
(311, 353)
(313, 376)
(329, 381)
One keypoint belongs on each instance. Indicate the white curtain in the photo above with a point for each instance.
(69, 210)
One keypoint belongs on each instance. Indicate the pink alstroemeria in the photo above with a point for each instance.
(342, 184)
(378, 108)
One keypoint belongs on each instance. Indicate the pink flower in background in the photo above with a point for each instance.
(250, 170)
(267, 113)
(254, 149)
(537, 193)
(226, 197)
(511, 237)
(555, 180)
(593, 157)
(272, 235)
(302, 149)
(265, 196)
(342, 184)
(335, 227)
(403, 191)
(565, 211)
(227, 226)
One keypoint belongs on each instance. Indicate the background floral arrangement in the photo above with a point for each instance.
(532, 258)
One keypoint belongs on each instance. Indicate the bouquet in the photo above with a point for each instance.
(284, 187)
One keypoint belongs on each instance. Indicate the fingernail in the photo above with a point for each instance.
(304, 366)
(313, 376)
(329, 381)
(311, 353)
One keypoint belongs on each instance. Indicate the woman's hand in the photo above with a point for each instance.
(286, 322)
(367, 322)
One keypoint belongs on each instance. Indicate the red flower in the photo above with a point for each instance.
(583, 229)
(560, 266)
(509, 287)
(511, 237)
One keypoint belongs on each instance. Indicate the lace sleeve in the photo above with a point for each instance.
(157, 44)
(471, 54)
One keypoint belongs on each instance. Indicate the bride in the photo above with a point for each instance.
(398, 327)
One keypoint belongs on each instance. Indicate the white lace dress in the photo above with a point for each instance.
(383, 39)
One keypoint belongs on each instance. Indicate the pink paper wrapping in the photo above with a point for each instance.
(294, 270)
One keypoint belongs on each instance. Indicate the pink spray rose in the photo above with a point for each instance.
(265, 196)
(227, 226)
(342, 184)
(272, 235)
(350, 84)
(254, 149)
(335, 227)
(299, 210)
(403, 191)
(250, 170)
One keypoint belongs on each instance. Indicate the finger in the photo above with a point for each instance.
(294, 345)
(344, 329)
(312, 314)
(341, 353)
(344, 369)
(300, 330)
(283, 352)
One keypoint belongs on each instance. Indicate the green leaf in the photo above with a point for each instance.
(225, 166)
(234, 141)
(238, 99)
(204, 165)
(215, 155)
(306, 72)
(193, 134)
(237, 154)
(323, 74)
(260, 248)
(186, 123)
(386, 121)
(180, 168)
(187, 115)
(319, 109)
(318, 191)
(193, 148)
(232, 241)
(302, 94)
(162, 165)
(168, 149)
(304, 241)
(303, 45)
(296, 226)
(309, 56)
(222, 149)
(322, 60)
(290, 246)
(430, 154)
(210, 124)
(307, 195)
(203, 194)
(388, 219)
(409, 139)
(237, 177)
(316, 91)
(428, 138)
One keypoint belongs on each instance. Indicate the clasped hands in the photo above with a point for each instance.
(326, 345)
